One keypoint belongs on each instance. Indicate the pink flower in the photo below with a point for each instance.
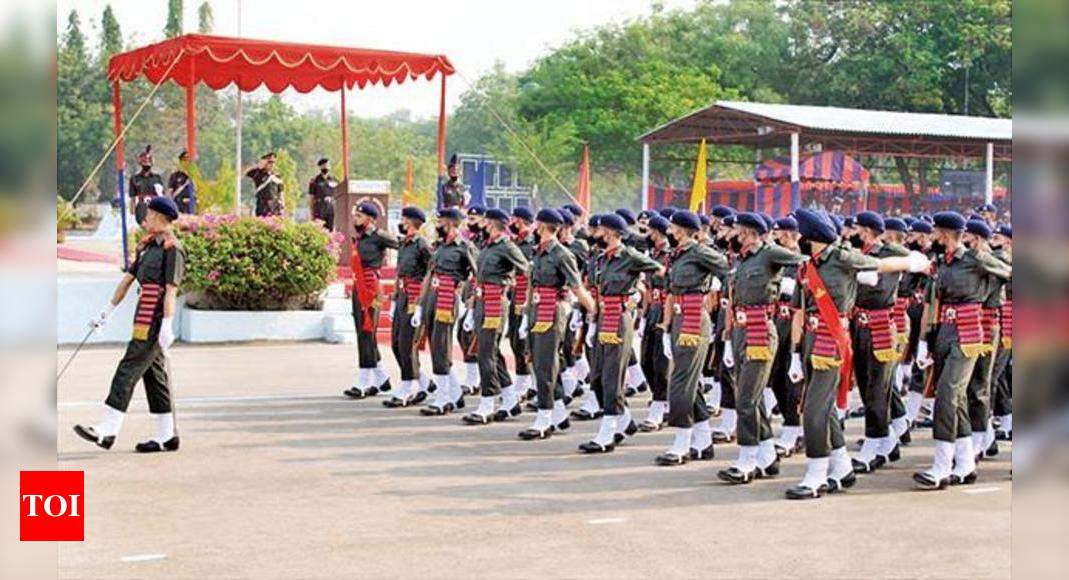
(214, 275)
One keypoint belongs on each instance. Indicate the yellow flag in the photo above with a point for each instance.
(407, 194)
(698, 190)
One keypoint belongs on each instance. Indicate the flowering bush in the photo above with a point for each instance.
(254, 263)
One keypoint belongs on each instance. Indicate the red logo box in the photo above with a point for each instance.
(51, 506)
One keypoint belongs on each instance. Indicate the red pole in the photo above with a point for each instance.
(344, 136)
(116, 104)
(191, 116)
(120, 176)
(441, 130)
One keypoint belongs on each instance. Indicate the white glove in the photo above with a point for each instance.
(469, 321)
(591, 332)
(389, 311)
(717, 285)
(666, 344)
(641, 331)
(918, 262)
(634, 299)
(166, 336)
(158, 188)
(100, 320)
(729, 355)
(462, 310)
(522, 330)
(868, 278)
(923, 359)
(787, 286)
(576, 321)
(796, 374)
(417, 317)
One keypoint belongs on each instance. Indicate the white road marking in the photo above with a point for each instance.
(219, 399)
(200, 414)
(976, 490)
(602, 521)
(142, 557)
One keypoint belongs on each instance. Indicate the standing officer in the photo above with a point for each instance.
(652, 354)
(452, 189)
(956, 344)
(144, 185)
(524, 238)
(158, 270)
(830, 281)
(554, 273)
(499, 260)
(269, 196)
(616, 279)
(413, 263)
(369, 252)
(321, 194)
(686, 330)
(180, 186)
(452, 265)
(751, 348)
(788, 393)
(875, 355)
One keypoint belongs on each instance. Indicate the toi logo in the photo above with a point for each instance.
(51, 506)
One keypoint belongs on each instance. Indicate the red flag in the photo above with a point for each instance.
(582, 191)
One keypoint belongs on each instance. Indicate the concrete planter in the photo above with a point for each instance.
(242, 325)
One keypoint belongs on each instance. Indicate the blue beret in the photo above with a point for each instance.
(909, 220)
(704, 219)
(627, 214)
(871, 220)
(575, 209)
(987, 207)
(815, 226)
(1005, 230)
(949, 220)
(895, 225)
(476, 210)
(523, 212)
(412, 212)
(769, 222)
(614, 222)
(751, 220)
(668, 210)
(451, 213)
(723, 211)
(566, 216)
(548, 215)
(368, 208)
(595, 220)
(728, 220)
(646, 213)
(786, 224)
(926, 218)
(979, 228)
(836, 222)
(495, 213)
(686, 219)
(848, 221)
(164, 205)
(837, 199)
(659, 223)
(921, 227)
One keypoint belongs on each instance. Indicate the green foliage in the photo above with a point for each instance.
(214, 196)
(287, 171)
(110, 35)
(255, 263)
(82, 115)
(66, 216)
(205, 18)
(174, 19)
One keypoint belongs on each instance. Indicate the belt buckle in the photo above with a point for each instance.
(724, 303)
(785, 311)
(536, 297)
(740, 317)
(863, 318)
(434, 282)
(814, 322)
(479, 292)
(950, 314)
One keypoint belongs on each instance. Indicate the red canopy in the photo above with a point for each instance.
(834, 166)
(218, 61)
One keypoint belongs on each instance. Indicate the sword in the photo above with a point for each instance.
(75, 353)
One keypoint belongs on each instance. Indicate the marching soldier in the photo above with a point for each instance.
(895, 233)
(655, 363)
(725, 431)
(144, 185)
(524, 238)
(1002, 394)
(830, 281)
(452, 189)
(554, 273)
(452, 265)
(158, 270)
(575, 368)
(686, 331)
(634, 378)
(750, 350)
(413, 263)
(616, 280)
(369, 252)
(498, 261)
(180, 186)
(590, 407)
(914, 288)
(478, 236)
(321, 194)
(269, 196)
(788, 392)
(956, 343)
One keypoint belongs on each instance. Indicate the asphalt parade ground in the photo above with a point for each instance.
(281, 476)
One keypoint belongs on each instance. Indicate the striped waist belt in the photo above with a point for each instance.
(445, 289)
(900, 316)
(754, 319)
(690, 308)
(989, 319)
(825, 354)
(612, 309)
(785, 310)
(1007, 324)
(881, 330)
(146, 309)
(967, 318)
(411, 287)
(522, 283)
(545, 302)
(492, 297)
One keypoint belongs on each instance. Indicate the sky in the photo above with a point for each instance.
(472, 33)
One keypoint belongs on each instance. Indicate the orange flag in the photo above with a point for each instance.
(407, 195)
(582, 191)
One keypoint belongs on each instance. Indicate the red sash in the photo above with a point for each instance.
(445, 298)
(690, 312)
(755, 320)
(411, 287)
(967, 318)
(900, 316)
(146, 309)
(522, 283)
(612, 308)
(492, 305)
(881, 330)
(830, 333)
(988, 321)
(545, 300)
(365, 284)
(1007, 324)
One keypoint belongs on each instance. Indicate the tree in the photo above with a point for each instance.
(110, 35)
(174, 19)
(81, 117)
(205, 18)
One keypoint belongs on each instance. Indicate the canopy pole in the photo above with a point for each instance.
(645, 176)
(191, 116)
(795, 184)
(441, 130)
(344, 136)
(237, 135)
(989, 174)
(120, 165)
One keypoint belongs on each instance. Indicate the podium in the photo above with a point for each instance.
(349, 194)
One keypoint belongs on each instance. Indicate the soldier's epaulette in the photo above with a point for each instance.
(170, 241)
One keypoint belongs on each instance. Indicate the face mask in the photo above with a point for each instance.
(146, 168)
(402, 229)
(474, 228)
(721, 243)
(441, 231)
(805, 246)
(643, 230)
(938, 248)
(515, 229)
(736, 245)
(914, 245)
(601, 243)
(996, 246)
(324, 171)
(360, 227)
(856, 241)
(672, 241)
